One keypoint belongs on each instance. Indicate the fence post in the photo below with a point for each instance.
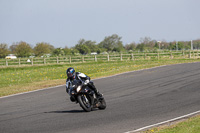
(19, 62)
(57, 60)
(190, 54)
(70, 60)
(6, 62)
(45, 61)
(158, 55)
(193, 54)
(95, 58)
(108, 58)
(121, 57)
(132, 57)
(82, 58)
(145, 55)
(171, 55)
(32, 61)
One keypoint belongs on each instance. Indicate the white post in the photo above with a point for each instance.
(95, 58)
(32, 61)
(6, 62)
(132, 57)
(57, 60)
(19, 62)
(82, 58)
(171, 55)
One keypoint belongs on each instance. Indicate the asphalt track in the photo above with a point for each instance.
(134, 100)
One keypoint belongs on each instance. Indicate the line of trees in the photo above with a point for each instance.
(111, 43)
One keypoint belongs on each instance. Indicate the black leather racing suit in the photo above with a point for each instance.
(84, 78)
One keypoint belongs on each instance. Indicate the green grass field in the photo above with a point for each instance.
(22, 79)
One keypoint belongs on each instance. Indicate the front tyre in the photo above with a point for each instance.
(85, 102)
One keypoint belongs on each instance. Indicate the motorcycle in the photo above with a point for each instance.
(86, 97)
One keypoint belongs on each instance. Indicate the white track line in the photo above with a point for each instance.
(164, 122)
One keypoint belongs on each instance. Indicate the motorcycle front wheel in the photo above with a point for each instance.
(85, 102)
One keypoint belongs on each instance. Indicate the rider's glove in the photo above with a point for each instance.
(86, 82)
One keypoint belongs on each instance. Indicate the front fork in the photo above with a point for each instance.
(91, 94)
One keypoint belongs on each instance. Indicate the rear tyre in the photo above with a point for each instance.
(85, 102)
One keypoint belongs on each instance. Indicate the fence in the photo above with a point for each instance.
(107, 57)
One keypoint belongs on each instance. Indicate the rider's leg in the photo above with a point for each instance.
(91, 85)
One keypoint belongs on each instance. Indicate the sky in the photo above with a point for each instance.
(64, 22)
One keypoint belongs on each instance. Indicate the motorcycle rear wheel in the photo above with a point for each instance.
(85, 102)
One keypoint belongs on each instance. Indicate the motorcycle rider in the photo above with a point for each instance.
(72, 75)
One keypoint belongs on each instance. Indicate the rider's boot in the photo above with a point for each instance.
(72, 99)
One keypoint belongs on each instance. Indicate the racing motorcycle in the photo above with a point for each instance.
(86, 97)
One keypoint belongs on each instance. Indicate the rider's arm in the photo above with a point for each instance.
(67, 85)
(84, 78)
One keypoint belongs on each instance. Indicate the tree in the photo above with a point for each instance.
(164, 44)
(23, 49)
(145, 40)
(141, 47)
(130, 46)
(148, 43)
(181, 45)
(13, 48)
(188, 45)
(43, 48)
(4, 50)
(74, 51)
(196, 44)
(112, 43)
(83, 49)
(172, 46)
(58, 52)
(67, 51)
(92, 45)
(156, 45)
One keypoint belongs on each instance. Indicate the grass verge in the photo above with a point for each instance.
(22, 79)
(191, 125)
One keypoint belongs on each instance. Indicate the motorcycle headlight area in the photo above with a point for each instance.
(78, 88)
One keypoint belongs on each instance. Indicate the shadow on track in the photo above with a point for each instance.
(67, 111)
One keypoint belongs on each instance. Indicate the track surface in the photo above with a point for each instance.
(134, 100)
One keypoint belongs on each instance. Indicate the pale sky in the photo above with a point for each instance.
(64, 22)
